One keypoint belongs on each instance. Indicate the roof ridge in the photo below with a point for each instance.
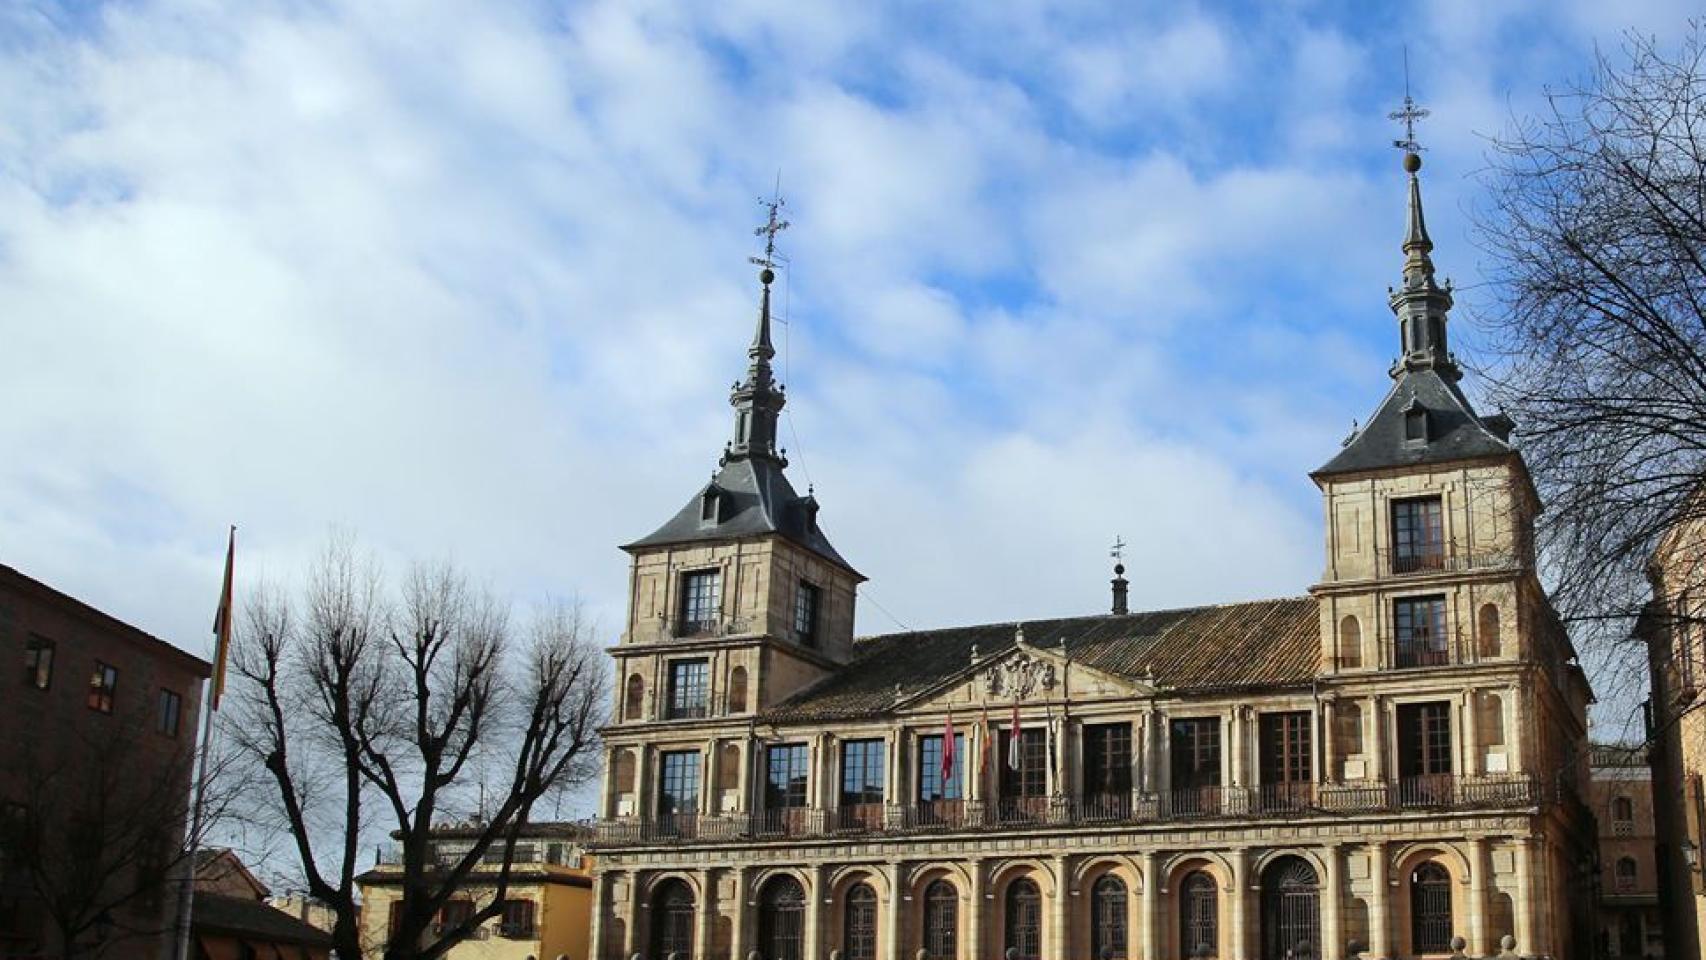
(1225, 605)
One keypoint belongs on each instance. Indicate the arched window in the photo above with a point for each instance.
(781, 919)
(859, 927)
(1489, 629)
(634, 704)
(1350, 642)
(1430, 909)
(1199, 916)
(941, 920)
(1108, 919)
(1626, 873)
(1622, 816)
(737, 690)
(1024, 921)
(1291, 909)
(672, 920)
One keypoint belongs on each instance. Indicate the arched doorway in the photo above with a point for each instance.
(1430, 909)
(781, 919)
(941, 920)
(1024, 921)
(672, 920)
(859, 924)
(1108, 919)
(1291, 910)
(1199, 916)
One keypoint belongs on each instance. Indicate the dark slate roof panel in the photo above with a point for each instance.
(1256, 644)
(1455, 432)
(216, 913)
(756, 499)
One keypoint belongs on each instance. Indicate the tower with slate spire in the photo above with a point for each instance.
(739, 600)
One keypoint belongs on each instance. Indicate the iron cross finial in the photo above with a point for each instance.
(773, 224)
(1409, 115)
(1117, 551)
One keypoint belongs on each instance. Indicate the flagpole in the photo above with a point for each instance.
(211, 692)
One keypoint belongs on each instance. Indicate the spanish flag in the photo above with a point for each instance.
(222, 624)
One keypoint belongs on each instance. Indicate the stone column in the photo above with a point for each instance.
(596, 932)
(1240, 906)
(1062, 907)
(744, 803)
(645, 805)
(1329, 744)
(815, 932)
(1238, 748)
(975, 920)
(1148, 934)
(707, 917)
(896, 913)
(1471, 733)
(1332, 945)
(737, 922)
(708, 779)
(1374, 737)
(631, 930)
(1516, 746)
(1226, 729)
(1478, 945)
(1523, 903)
(1379, 904)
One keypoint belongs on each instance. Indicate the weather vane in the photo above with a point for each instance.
(1409, 115)
(1117, 551)
(773, 225)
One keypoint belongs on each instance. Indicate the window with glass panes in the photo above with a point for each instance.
(103, 685)
(807, 599)
(930, 783)
(1285, 747)
(1195, 745)
(862, 772)
(38, 661)
(1419, 631)
(678, 782)
(170, 709)
(701, 600)
(687, 689)
(1424, 739)
(1107, 758)
(1031, 779)
(1418, 534)
(785, 779)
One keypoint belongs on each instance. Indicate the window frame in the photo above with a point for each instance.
(1109, 918)
(863, 764)
(689, 689)
(1107, 759)
(808, 612)
(167, 722)
(699, 609)
(37, 674)
(678, 770)
(941, 921)
(1201, 762)
(1022, 926)
(1199, 912)
(103, 688)
(930, 769)
(792, 793)
(1418, 533)
(1421, 631)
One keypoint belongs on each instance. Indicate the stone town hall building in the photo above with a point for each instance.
(1389, 760)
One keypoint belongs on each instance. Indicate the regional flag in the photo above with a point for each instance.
(1013, 740)
(948, 752)
(222, 623)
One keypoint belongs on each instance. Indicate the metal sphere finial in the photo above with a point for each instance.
(1412, 162)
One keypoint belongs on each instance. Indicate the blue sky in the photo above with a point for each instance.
(470, 280)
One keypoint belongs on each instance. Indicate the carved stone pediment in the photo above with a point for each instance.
(1019, 676)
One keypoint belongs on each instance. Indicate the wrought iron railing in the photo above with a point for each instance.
(1443, 558)
(1267, 801)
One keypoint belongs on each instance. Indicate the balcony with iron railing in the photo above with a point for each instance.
(444, 856)
(675, 628)
(1283, 801)
(1449, 557)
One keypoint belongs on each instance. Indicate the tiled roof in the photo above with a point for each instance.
(253, 920)
(1257, 644)
(1455, 431)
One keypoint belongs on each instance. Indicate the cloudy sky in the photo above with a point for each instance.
(470, 280)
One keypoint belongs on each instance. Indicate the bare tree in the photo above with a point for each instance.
(1596, 232)
(372, 713)
(94, 832)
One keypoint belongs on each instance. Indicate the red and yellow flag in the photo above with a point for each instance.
(222, 623)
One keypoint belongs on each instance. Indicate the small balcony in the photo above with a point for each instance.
(1443, 558)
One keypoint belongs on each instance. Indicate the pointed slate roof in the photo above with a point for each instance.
(1261, 643)
(1454, 430)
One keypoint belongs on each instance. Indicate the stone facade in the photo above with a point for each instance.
(1386, 764)
(1621, 797)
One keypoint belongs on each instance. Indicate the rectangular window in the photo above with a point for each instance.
(1418, 535)
(1424, 753)
(931, 786)
(687, 689)
(785, 781)
(701, 602)
(1419, 632)
(1285, 746)
(1107, 758)
(454, 913)
(393, 920)
(862, 772)
(103, 684)
(170, 710)
(678, 783)
(806, 602)
(517, 919)
(1031, 779)
(1195, 745)
(38, 661)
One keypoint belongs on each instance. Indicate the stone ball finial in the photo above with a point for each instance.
(1507, 945)
(922, 954)
(755, 955)
(767, 276)
(1412, 163)
(835, 955)
(674, 956)
(1119, 569)
(1012, 953)
(1355, 948)
(636, 957)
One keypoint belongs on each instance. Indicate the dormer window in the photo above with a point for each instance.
(1415, 423)
(711, 506)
